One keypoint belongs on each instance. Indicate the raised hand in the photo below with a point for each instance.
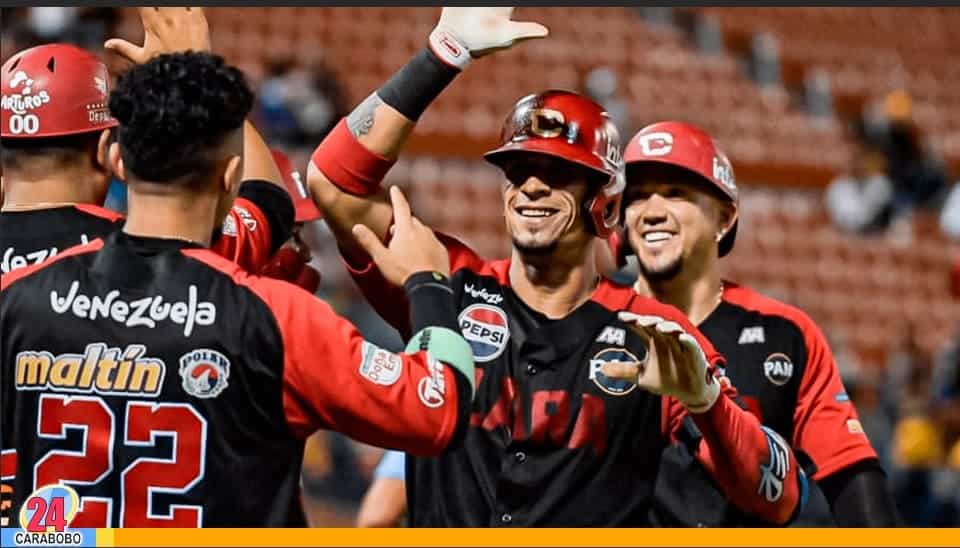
(464, 33)
(166, 30)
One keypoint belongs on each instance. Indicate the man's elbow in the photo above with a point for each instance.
(324, 193)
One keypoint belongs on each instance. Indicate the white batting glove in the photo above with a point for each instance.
(465, 33)
(675, 365)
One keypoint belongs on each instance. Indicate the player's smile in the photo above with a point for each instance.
(541, 221)
(541, 200)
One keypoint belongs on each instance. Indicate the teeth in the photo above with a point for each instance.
(536, 213)
(652, 237)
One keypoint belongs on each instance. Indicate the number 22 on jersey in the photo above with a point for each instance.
(142, 424)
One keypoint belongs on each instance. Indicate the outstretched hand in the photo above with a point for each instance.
(166, 30)
(463, 33)
(675, 365)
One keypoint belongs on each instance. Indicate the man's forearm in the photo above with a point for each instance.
(258, 162)
(753, 465)
(347, 168)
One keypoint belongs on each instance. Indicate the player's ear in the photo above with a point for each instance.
(727, 215)
(103, 150)
(116, 162)
(232, 175)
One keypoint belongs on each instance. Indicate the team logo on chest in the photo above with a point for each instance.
(204, 372)
(778, 368)
(486, 329)
(614, 387)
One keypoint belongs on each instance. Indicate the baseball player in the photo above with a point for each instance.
(174, 378)
(292, 261)
(553, 440)
(681, 218)
(56, 128)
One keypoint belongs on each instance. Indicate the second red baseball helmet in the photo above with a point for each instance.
(688, 147)
(54, 90)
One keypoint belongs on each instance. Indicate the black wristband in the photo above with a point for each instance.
(431, 301)
(411, 90)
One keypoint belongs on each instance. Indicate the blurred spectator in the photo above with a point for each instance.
(861, 200)
(817, 95)
(918, 176)
(334, 479)
(601, 86)
(708, 35)
(50, 23)
(765, 58)
(299, 106)
(277, 120)
(950, 214)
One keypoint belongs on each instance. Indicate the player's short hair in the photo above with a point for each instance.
(69, 149)
(175, 111)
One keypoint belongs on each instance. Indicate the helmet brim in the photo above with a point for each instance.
(557, 148)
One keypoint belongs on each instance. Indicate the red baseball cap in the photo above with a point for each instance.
(306, 210)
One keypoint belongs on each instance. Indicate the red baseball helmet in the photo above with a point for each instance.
(306, 210)
(574, 128)
(54, 90)
(691, 148)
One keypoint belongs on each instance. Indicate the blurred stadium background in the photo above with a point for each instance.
(843, 125)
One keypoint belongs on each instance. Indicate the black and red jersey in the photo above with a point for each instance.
(171, 388)
(785, 373)
(552, 442)
(783, 367)
(260, 221)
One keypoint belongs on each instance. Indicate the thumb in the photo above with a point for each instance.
(525, 30)
(125, 49)
(369, 242)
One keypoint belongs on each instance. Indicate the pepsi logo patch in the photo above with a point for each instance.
(778, 368)
(486, 328)
(614, 387)
(204, 373)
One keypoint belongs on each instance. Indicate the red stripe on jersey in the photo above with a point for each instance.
(8, 464)
(10, 277)
(98, 211)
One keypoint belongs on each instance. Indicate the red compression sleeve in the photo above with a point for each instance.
(348, 164)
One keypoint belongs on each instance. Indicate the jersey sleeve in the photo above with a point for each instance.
(259, 222)
(389, 300)
(754, 466)
(334, 379)
(826, 427)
